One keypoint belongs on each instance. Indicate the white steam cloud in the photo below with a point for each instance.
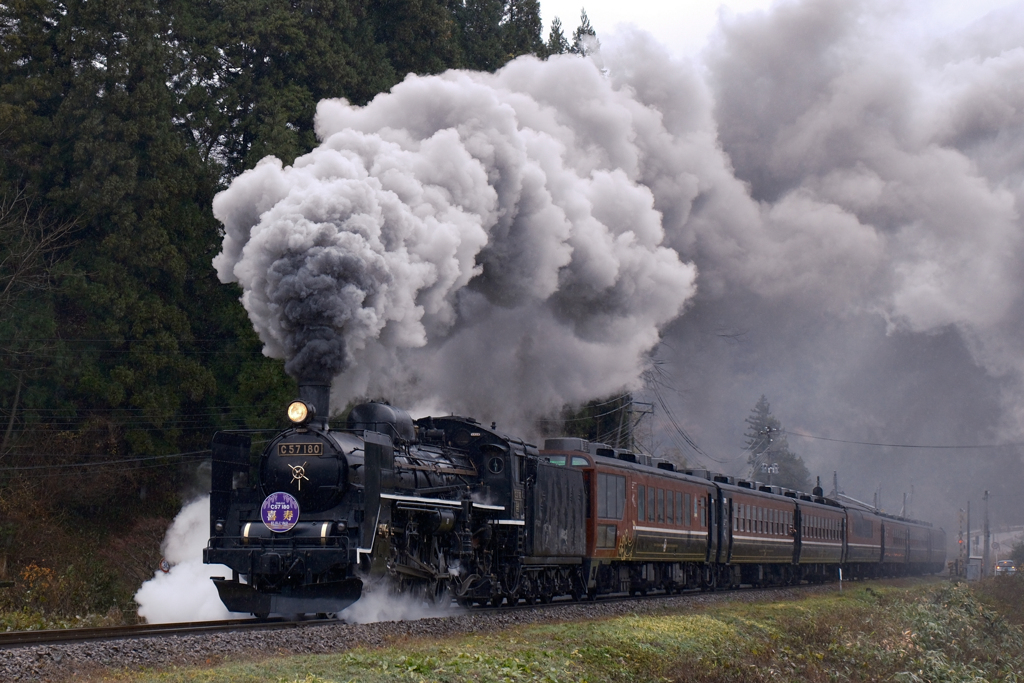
(379, 603)
(482, 240)
(185, 593)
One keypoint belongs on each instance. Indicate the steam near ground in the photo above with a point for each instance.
(825, 209)
(185, 593)
(379, 604)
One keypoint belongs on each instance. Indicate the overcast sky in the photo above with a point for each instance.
(684, 25)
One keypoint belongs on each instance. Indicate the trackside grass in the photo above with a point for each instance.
(933, 632)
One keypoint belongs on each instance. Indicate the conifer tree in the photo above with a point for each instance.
(768, 447)
(584, 38)
(125, 119)
(608, 421)
(557, 43)
(482, 40)
(521, 29)
(140, 328)
(253, 74)
(418, 36)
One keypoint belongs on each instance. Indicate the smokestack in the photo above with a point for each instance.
(318, 396)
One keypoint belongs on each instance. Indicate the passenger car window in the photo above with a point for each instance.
(611, 495)
(606, 535)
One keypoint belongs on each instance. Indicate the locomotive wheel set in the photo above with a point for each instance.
(443, 508)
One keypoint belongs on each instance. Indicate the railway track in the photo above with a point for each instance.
(78, 635)
(12, 639)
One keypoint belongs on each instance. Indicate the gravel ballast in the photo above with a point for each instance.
(60, 662)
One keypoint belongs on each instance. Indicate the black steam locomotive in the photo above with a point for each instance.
(444, 508)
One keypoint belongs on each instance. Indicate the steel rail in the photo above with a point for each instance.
(11, 639)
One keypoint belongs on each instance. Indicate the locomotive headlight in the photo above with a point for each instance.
(299, 412)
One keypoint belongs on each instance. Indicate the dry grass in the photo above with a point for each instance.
(925, 631)
(68, 571)
(1005, 595)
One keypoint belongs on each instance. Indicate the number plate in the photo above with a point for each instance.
(314, 448)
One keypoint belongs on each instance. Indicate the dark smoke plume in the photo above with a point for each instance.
(483, 242)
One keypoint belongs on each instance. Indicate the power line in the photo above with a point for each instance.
(200, 410)
(590, 417)
(112, 352)
(101, 463)
(119, 340)
(905, 445)
(655, 384)
(78, 473)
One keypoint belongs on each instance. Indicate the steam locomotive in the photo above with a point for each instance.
(444, 508)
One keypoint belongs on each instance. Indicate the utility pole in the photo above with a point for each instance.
(968, 531)
(961, 560)
(619, 441)
(984, 557)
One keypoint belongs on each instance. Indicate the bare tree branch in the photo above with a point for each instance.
(31, 244)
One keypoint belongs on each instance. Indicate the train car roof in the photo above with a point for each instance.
(564, 448)
(646, 469)
(733, 489)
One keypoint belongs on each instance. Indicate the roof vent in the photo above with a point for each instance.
(567, 443)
